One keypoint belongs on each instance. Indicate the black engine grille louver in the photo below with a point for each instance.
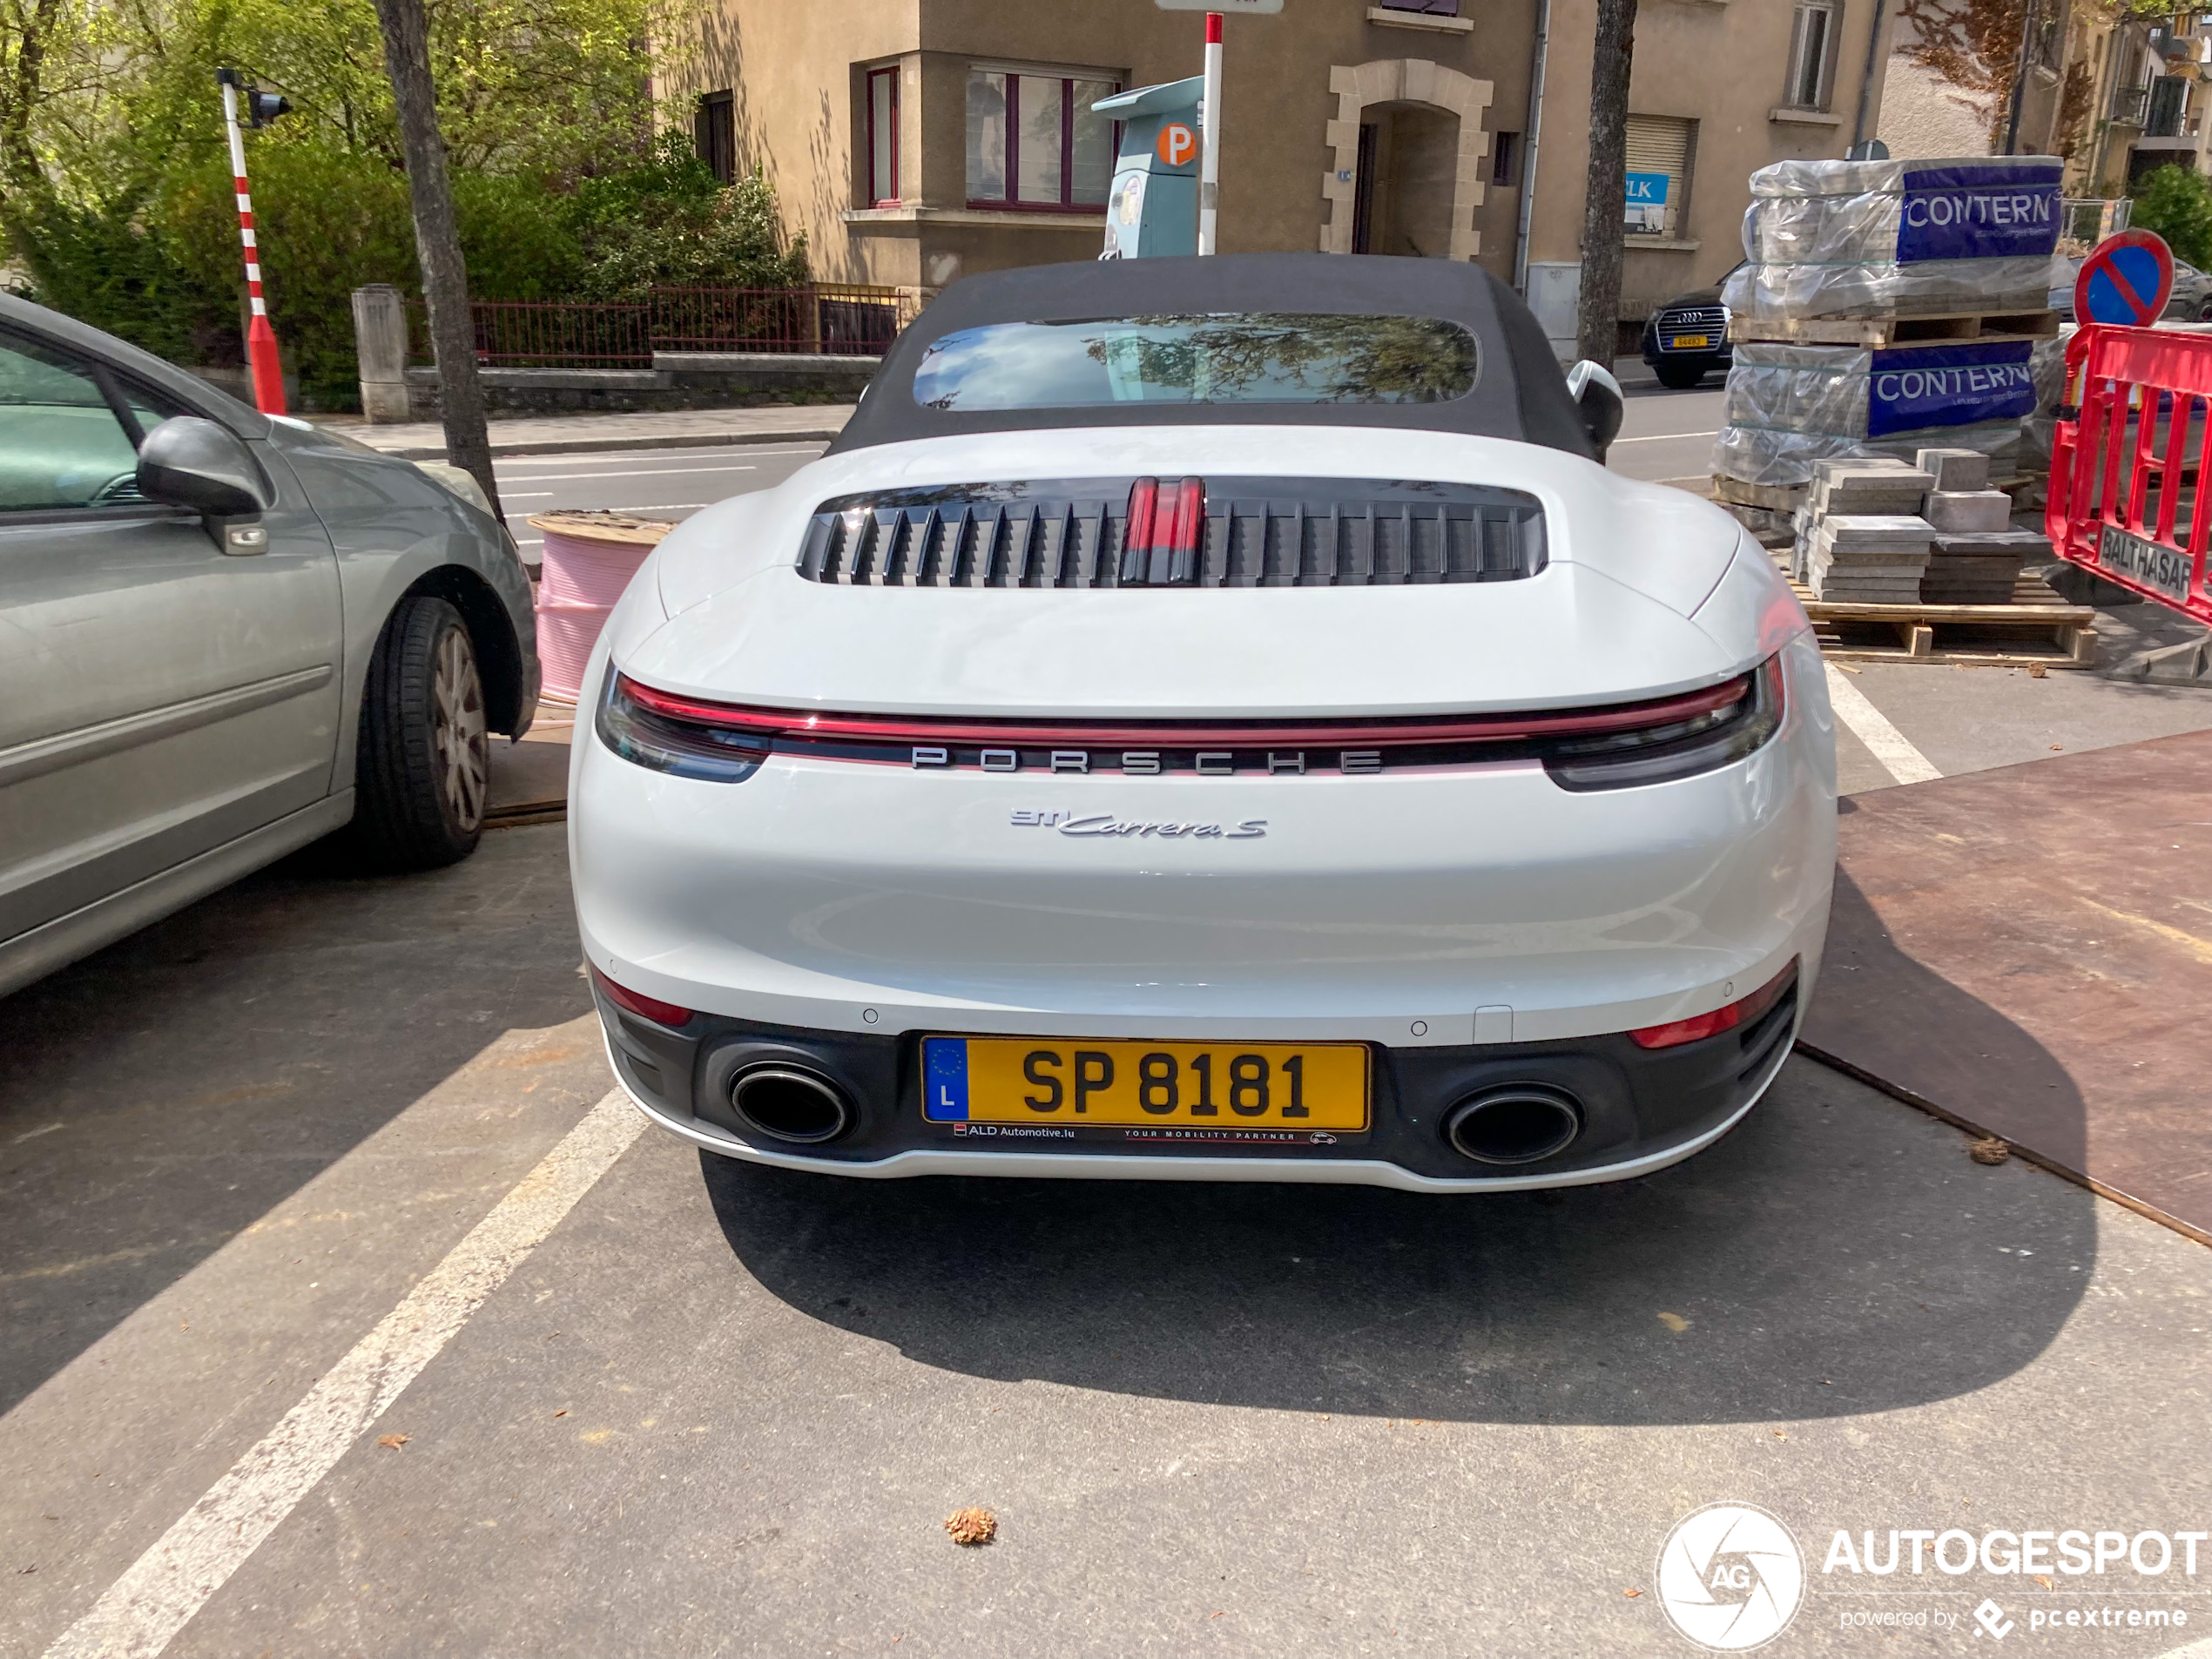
(1259, 532)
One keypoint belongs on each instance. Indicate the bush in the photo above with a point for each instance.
(2177, 202)
(101, 265)
(668, 219)
(325, 221)
(162, 266)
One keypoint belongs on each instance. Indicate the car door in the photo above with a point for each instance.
(158, 698)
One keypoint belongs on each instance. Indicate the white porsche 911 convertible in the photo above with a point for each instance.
(1209, 719)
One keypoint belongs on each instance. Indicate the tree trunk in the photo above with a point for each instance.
(18, 164)
(437, 242)
(1597, 321)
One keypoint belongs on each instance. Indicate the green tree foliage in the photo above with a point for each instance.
(2177, 202)
(115, 181)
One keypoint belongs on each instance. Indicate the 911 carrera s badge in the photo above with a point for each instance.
(1107, 823)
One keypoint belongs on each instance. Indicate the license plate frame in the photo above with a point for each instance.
(1031, 1092)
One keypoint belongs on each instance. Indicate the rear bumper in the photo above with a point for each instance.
(1640, 1109)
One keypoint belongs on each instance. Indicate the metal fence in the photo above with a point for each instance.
(841, 320)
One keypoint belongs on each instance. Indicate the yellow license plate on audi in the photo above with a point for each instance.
(1180, 1092)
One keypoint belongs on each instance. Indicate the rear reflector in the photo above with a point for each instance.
(1699, 1025)
(650, 1007)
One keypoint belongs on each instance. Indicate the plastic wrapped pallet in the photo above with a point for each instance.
(1890, 238)
(1787, 406)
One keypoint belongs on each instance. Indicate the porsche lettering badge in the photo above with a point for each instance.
(1152, 762)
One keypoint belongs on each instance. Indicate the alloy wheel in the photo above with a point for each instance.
(457, 732)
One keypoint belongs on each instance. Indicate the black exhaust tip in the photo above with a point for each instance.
(1514, 1123)
(786, 1103)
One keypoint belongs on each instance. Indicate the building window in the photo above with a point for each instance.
(1505, 158)
(883, 137)
(2169, 101)
(714, 130)
(1033, 141)
(1813, 56)
(1661, 148)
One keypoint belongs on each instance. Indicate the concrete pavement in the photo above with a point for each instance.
(598, 434)
(722, 1410)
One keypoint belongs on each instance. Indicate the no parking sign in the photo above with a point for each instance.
(2127, 280)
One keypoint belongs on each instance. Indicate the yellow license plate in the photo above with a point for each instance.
(1083, 1083)
(1691, 342)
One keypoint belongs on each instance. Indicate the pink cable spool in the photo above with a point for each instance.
(587, 561)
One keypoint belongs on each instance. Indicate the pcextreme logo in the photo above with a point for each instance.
(1730, 1577)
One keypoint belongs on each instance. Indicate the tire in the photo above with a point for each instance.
(422, 775)
(1678, 376)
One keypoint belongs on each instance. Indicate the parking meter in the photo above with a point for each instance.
(1153, 209)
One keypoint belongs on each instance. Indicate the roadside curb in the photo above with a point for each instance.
(601, 446)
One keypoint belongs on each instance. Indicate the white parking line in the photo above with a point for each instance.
(1871, 727)
(631, 457)
(658, 472)
(142, 1611)
(1661, 437)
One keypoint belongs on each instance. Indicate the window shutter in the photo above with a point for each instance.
(1659, 144)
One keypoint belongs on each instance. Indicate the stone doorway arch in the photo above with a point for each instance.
(1415, 84)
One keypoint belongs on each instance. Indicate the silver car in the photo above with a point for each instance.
(223, 636)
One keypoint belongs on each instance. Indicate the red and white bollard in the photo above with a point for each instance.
(1210, 135)
(261, 339)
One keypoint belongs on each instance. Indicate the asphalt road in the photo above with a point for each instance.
(657, 483)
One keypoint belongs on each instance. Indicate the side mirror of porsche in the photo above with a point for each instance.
(195, 463)
(1598, 395)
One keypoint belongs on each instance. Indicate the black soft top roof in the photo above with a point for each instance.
(1520, 392)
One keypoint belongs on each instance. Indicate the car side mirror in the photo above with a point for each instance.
(1597, 394)
(194, 463)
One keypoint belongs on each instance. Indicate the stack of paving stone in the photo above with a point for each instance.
(1975, 554)
(1860, 537)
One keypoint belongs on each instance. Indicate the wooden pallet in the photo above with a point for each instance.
(1774, 498)
(2038, 626)
(1938, 329)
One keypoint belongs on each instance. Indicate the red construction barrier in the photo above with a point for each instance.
(2127, 460)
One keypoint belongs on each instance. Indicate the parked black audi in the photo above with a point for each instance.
(1688, 337)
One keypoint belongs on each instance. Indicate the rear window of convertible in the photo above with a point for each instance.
(1243, 357)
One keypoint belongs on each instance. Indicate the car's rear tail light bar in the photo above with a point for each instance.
(1166, 525)
(1609, 747)
(1744, 1011)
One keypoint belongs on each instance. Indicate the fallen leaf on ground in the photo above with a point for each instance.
(2056, 747)
(391, 1442)
(1632, 1595)
(564, 1412)
(2035, 670)
(1674, 1322)
(972, 1526)
(1990, 1150)
(1780, 1436)
(2044, 1581)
